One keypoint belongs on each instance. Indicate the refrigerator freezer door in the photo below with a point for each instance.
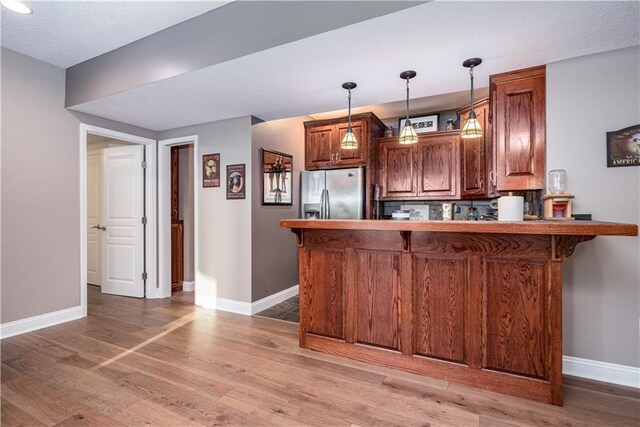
(346, 193)
(311, 185)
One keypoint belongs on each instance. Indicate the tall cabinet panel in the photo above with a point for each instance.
(438, 159)
(519, 128)
(474, 154)
(397, 169)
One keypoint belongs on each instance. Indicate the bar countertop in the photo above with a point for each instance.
(540, 227)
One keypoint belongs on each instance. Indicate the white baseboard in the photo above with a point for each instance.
(233, 306)
(271, 300)
(247, 308)
(188, 286)
(601, 371)
(38, 322)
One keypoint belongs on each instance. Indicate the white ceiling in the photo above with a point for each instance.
(305, 77)
(65, 33)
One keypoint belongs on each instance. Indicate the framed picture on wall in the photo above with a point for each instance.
(236, 182)
(277, 174)
(623, 147)
(211, 170)
(421, 124)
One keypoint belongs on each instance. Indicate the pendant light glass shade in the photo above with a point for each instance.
(408, 134)
(471, 128)
(349, 141)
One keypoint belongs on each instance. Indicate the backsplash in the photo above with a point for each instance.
(460, 208)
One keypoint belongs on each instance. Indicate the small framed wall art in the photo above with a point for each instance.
(623, 147)
(421, 124)
(277, 173)
(211, 170)
(236, 182)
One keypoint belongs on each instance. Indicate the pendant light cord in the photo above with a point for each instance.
(407, 99)
(349, 130)
(472, 98)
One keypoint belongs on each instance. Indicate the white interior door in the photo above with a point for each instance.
(94, 218)
(123, 209)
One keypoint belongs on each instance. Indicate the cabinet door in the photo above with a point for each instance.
(473, 151)
(438, 166)
(519, 129)
(397, 170)
(177, 256)
(355, 157)
(319, 146)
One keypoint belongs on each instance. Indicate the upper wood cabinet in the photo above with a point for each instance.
(519, 128)
(323, 138)
(475, 161)
(423, 171)
(397, 168)
(438, 160)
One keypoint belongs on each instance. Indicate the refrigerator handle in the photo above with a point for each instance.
(328, 208)
(324, 204)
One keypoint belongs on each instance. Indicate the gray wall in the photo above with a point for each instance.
(40, 189)
(586, 97)
(274, 265)
(40, 203)
(224, 255)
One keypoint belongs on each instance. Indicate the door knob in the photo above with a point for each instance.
(96, 226)
(103, 228)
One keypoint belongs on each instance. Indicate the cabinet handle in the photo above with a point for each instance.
(333, 157)
(338, 157)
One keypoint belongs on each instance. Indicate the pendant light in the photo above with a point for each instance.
(349, 141)
(472, 128)
(408, 134)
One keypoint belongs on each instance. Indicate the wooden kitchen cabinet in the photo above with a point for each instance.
(476, 166)
(323, 139)
(177, 255)
(397, 168)
(518, 125)
(438, 165)
(427, 170)
(322, 147)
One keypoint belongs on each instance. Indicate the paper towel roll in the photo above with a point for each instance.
(510, 208)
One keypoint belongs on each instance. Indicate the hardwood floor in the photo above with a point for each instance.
(168, 363)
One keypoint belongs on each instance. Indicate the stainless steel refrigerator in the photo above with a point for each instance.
(332, 194)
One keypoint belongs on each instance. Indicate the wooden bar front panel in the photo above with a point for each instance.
(462, 307)
(324, 292)
(439, 288)
(378, 282)
(515, 300)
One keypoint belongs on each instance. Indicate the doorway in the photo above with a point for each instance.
(117, 213)
(182, 218)
(185, 150)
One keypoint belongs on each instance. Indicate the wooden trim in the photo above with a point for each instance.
(576, 229)
(525, 73)
(337, 120)
(527, 388)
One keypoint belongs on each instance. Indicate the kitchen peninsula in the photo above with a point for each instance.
(478, 303)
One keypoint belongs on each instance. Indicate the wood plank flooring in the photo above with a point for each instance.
(168, 363)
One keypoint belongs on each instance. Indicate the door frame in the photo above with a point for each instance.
(164, 210)
(151, 230)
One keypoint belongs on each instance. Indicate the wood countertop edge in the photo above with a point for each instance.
(572, 228)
